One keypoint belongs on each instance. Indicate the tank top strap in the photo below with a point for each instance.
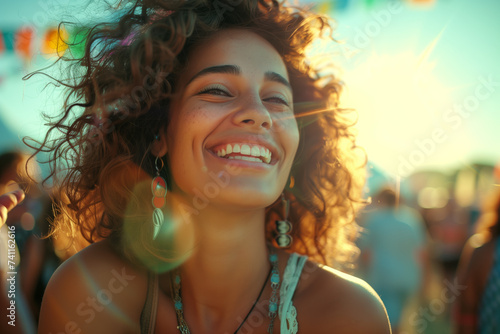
(287, 311)
(148, 314)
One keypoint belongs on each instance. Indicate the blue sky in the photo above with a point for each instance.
(425, 80)
(418, 83)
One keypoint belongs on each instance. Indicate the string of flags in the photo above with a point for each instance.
(27, 41)
(332, 6)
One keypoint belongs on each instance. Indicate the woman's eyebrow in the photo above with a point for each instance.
(273, 76)
(236, 70)
(226, 69)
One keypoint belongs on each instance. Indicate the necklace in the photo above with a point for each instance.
(273, 301)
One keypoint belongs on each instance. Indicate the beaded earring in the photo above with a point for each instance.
(284, 227)
(159, 190)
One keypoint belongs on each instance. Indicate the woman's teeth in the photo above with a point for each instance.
(254, 153)
(243, 157)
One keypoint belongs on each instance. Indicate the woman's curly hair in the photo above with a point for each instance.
(488, 223)
(118, 100)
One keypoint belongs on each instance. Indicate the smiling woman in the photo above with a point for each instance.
(233, 100)
(207, 143)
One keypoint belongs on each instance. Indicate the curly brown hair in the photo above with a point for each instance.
(488, 223)
(121, 89)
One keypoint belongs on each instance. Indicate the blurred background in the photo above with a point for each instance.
(422, 75)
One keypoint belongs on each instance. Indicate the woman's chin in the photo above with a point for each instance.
(233, 200)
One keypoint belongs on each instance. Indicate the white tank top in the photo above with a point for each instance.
(287, 312)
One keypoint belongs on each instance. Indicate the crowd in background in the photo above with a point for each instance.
(427, 246)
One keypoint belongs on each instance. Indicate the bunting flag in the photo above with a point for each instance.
(2, 43)
(327, 7)
(76, 42)
(421, 2)
(54, 42)
(23, 42)
(324, 7)
(340, 5)
(8, 39)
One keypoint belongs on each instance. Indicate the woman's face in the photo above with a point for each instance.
(232, 136)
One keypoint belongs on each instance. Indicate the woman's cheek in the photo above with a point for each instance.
(287, 125)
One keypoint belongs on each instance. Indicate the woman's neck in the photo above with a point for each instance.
(226, 270)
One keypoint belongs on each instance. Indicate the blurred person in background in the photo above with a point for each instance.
(30, 222)
(393, 252)
(16, 314)
(8, 201)
(35, 257)
(477, 308)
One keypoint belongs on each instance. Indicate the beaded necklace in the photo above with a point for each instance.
(273, 301)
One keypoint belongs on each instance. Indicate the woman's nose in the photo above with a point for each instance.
(254, 113)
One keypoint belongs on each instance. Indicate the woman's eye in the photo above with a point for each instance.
(214, 90)
(277, 99)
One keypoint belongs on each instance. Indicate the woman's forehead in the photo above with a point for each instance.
(239, 47)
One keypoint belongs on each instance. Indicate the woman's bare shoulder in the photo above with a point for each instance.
(331, 301)
(94, 291)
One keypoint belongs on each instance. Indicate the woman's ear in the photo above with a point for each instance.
(159, 147)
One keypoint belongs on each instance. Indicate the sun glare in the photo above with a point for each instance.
(398, 99)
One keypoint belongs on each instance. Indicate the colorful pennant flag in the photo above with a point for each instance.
(54, 42)
(421, 2)
(23, 42)
(370, 3)
(2, 43)
(76, 42)
(340, 5)
(8, 39)
(324, 7)
(329, 6)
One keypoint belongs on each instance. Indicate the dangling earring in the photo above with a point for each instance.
(284, 227)
(159, 190)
